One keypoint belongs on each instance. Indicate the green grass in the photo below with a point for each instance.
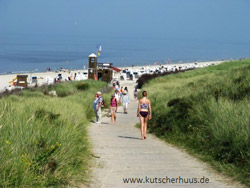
(207, 111)
(43, 139)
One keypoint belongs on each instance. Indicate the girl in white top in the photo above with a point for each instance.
(117, 95)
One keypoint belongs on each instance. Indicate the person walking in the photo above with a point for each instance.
(113, 108)
(125, 100)
(126, 89)
(117, 96)
(121, 90)
(94, 106)
(144, 112)
(117, 87)
(99, 107)
(135, 94)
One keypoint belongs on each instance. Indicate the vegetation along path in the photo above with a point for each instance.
(120, 154)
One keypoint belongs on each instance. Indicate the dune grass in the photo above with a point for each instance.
(207, 111)
(43, 139)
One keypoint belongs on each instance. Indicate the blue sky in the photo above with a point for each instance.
(207, 19)
(45, 33)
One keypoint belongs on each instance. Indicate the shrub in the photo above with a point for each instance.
(146, 77)
(206, 110)
(82, 86)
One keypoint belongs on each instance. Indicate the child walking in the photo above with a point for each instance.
(113, 108)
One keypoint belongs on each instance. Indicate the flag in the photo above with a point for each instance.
(99, 51)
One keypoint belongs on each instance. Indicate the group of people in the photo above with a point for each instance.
(144, 111)
(119, 97)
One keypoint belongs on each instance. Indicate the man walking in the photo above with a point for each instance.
(99, 107)
(125, 100)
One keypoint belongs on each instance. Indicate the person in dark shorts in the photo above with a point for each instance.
(144, 112)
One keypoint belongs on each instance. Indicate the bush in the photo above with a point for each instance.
(82, 86)
(206, 110)
(147, 77)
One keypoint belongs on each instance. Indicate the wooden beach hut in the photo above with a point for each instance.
(99, 71)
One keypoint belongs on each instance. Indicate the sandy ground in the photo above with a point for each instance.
(5, 79)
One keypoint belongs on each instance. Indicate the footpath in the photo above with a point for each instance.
(122, 159)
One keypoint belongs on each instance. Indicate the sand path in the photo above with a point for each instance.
(121, 154)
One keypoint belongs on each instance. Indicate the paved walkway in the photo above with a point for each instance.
(121, 154)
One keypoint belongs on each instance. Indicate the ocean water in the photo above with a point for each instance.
(22, 53)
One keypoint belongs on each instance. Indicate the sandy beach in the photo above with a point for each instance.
(6, 79)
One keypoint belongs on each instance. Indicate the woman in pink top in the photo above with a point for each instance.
(113, 108)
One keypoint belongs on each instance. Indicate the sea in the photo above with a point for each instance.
(20, 53)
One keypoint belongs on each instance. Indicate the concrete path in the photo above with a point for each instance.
(121, 154)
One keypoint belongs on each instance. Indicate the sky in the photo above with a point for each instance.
(35, 34)
(206, 19)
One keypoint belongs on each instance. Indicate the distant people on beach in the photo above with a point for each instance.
(113, 108)
(131, 77)
(144, 112)
(135, 94)
(125, 101)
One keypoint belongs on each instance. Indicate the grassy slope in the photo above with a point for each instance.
(43, 140)
(207, 111)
